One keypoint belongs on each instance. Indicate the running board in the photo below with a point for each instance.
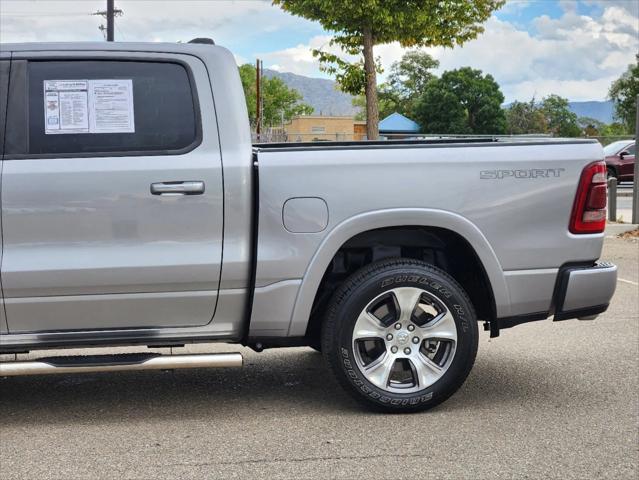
(118, 363)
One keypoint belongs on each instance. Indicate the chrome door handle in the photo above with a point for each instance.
(178, 188)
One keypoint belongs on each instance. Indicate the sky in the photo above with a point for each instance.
(573, 48)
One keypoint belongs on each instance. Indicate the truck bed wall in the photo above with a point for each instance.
(511, 201)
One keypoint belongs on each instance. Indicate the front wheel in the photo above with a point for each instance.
(400, 335)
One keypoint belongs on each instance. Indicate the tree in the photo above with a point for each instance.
(559, 119)
(440, 111)
(362, 24)
(623, 92)
(278, 101)
(387, 103)
(405, 84)
(591, 127)
(407, 80)
(524, 118)
(614, 129)
(462, 101)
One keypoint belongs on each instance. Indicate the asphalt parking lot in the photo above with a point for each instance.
(545, 400)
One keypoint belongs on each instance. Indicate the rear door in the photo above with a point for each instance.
(627, 163)
(5, 67)
(111, 193)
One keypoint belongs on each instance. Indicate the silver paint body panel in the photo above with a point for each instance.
(590, 286)
(122, 249)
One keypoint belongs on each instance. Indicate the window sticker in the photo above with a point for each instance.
(88, 106)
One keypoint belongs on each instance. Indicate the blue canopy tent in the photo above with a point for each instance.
(397, 125)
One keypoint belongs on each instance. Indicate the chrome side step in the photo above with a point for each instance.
(118, 363)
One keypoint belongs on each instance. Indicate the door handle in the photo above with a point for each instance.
(178, 188)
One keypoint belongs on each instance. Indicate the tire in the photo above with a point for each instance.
(612, 173)
(440, 332)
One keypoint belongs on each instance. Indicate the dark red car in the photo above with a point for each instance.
(620, 159)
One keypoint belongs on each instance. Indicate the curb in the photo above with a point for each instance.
(613, 229)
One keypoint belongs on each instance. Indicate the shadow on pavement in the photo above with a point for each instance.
(295, 381)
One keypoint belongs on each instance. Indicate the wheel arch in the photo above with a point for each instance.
(360, 224)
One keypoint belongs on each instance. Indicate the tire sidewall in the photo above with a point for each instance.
(406, 276)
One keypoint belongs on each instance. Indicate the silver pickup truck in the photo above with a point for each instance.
(136, 212)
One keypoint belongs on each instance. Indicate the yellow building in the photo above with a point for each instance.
(318, 128)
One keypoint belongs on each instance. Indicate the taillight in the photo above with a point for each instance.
(589, 210)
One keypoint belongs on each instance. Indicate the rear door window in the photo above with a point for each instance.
(87, 107)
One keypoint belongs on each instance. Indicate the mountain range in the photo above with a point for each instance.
(326, 99)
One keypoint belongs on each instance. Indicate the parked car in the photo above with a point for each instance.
(135, 211)
(620, 159)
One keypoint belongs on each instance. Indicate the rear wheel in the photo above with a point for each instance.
(612, 173)
(400, 335)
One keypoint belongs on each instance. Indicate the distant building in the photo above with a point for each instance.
(318, 128)
(359, 130)
(397, 125)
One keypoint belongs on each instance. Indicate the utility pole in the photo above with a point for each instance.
(110, 20)
(110, 13)
(258, 96)
(635, 183)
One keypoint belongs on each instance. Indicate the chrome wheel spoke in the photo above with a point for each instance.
(379, 372)
(404, 340)
(407, 299)
(367, 326)
(428, 372)
(442, 327)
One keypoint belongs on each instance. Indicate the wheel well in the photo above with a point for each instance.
(439, 247)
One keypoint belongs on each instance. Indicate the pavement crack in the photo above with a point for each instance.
(295, 460)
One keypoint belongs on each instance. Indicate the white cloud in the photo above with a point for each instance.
(143, 20)
(299, 59)
(575, 56)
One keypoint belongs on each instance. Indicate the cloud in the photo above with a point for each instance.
(576, 56)
(143, 20)
(299, 59)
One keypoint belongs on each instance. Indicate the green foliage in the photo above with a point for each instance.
(350, 77)
(623, 92)
(560, 121)
(462, 101)
(614, 129)
(278, 101)
(525, 117)
(361, 24)
(409, 22)
(406, 82)
(591, 127)
(409, 76)
(440, 110)
(247, 75)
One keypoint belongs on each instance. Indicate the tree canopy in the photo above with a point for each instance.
(361, 24)
(406, 82)
(560, 120)
(278, 101)
(462, 101)
(623, 92)
(550, 116)
(525, 117)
